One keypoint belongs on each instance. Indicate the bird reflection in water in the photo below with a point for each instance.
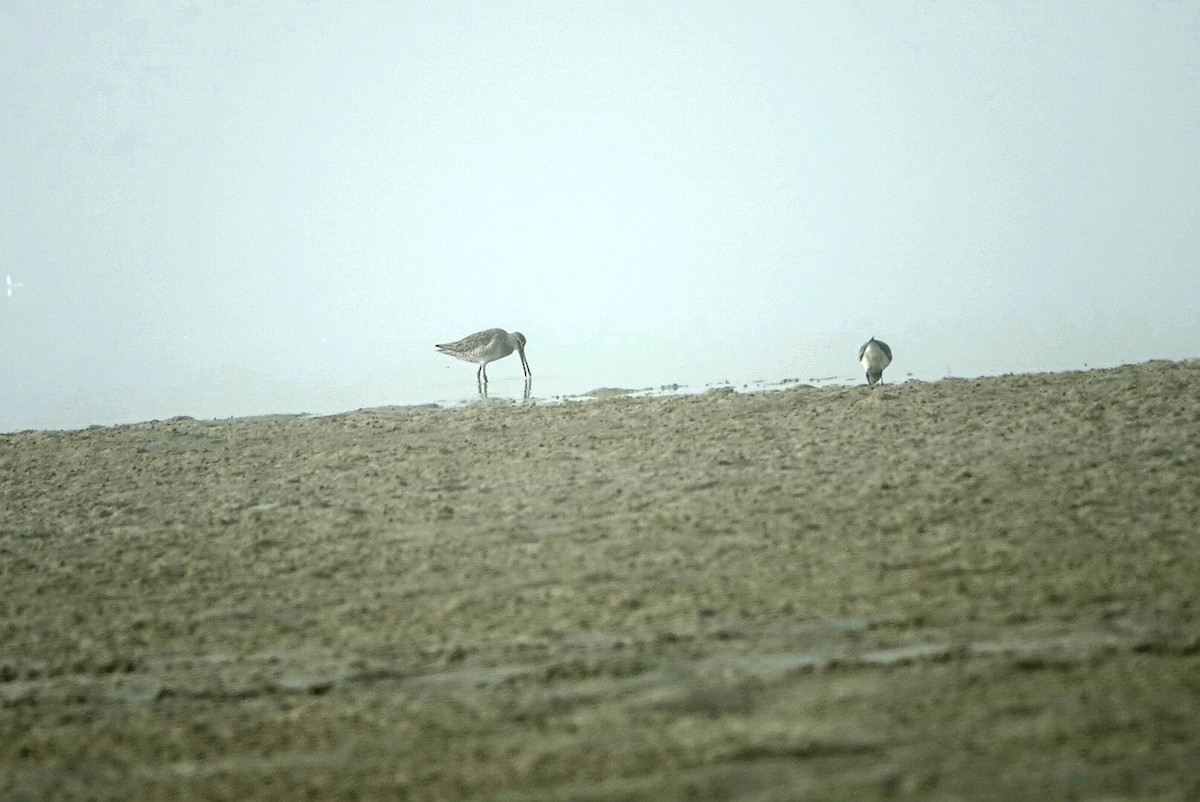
(483, 390)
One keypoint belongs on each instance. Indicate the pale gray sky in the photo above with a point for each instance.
(239, 208)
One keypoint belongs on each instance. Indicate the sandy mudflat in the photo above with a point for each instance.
(984, 589)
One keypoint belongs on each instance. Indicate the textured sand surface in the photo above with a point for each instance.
(982, 589)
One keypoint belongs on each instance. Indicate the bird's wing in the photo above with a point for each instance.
(473, 342)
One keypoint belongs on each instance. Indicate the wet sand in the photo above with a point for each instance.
(982, 589)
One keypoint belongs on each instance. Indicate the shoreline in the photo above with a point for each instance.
(604, 393)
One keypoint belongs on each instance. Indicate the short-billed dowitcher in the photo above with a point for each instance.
(487, 346)
(874, 356)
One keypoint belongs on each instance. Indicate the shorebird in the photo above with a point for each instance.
(874, 356)
(487, 346)
(11, 285)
